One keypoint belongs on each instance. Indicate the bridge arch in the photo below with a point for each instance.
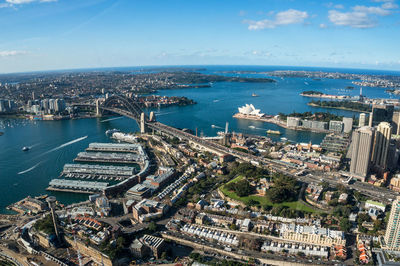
(128, 104)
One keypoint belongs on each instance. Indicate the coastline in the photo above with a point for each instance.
(340, 108)
(325, 96)
(277, 122)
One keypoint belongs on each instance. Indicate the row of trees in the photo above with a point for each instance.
(343, 104)
(284, 189)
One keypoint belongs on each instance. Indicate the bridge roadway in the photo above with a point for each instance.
(382, 194)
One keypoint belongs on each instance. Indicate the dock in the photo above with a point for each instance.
(106, 157)
(76, 186)
(115, 147)
(104, 172)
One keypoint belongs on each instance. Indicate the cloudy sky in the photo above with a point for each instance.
(65, 34)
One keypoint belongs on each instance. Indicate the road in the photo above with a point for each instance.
(378, 193)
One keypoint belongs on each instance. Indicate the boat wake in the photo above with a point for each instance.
(214, 126)
(66, 144)
(259, 128)
(30, 169)
(111, 119)
(166, 113)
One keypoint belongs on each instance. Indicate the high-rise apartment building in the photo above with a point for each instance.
(361, 151)
(396, 123)
(362, 119)
(347, 124)
(381, 145)
(381, 113)
(392, 235)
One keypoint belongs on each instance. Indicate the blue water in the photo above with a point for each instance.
(215, 106)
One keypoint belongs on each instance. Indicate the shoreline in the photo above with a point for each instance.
(279, 123)
(339, 108)
(325, 96)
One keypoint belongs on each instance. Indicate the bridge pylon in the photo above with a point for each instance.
(152, 117)
(98, 112)
(142, 123)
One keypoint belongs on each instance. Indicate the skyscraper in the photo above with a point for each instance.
(392, 235)
(361, 151)
(381, 113)
(52, 201)
(381, 145)
(396, 123)
(347, 124)
(362, 119)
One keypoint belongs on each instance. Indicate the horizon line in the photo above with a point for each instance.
(78, 69)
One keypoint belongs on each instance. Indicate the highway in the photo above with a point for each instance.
(381, 194)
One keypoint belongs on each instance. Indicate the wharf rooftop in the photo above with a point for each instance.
(76, 186)
(115, 147)
(106, 157)
(98, 170)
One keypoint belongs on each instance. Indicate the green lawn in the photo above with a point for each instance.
(295, 205)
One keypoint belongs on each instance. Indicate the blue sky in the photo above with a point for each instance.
(64, 34)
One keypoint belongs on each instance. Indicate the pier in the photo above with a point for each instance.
(115, 147)
(103, 157)
(105, 172)
(76, 186)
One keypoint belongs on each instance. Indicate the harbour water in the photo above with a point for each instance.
(55, 143)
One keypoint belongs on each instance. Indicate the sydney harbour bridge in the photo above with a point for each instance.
(127, 107)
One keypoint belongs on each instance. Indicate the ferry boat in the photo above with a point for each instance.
(111, 131)
(26, 148)
(275, 132)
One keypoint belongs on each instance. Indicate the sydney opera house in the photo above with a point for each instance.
(250, 110)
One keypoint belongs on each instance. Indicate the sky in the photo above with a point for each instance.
(66, 34)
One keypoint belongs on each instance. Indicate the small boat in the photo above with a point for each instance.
(26, 148)
(254, 95)
(213, 126)
(275, 132)
(284, 139)
(252, 127)
(111, 131)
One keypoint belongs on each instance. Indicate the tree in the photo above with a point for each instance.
(164, 255)
(325, 185)
(152, 227)
(284, 189)
(345, 225)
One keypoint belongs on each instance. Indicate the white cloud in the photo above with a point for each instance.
(323, 26)
(389, 5)
(20, 2)
(362, 16)
(338, 6)
(372, 10)
(11, 53)
(287, 17)
(352, 19)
